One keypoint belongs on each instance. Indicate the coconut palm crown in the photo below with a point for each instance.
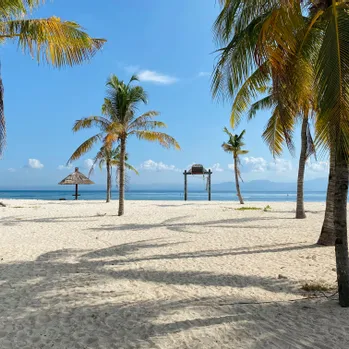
(47, 40)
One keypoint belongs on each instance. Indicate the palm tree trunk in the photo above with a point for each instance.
(237, 180)
(122, 176)
(300, 213)
(108, 182)
(340, 224)
(328, 233)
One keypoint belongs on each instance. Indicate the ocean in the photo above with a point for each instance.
(312, 196)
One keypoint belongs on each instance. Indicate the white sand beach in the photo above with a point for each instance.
(165, 275)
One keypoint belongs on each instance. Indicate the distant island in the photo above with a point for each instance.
(319, 184)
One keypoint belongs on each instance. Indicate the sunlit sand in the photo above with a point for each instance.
(165, 275)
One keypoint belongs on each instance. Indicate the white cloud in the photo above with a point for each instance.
(319, 166)
(280, 165)
(153, 76)
(151, 165)
(34, 163)
(203, 74)
(88, 163)
(217, 168)
(252, 164)
(65, 167)
(11, 169)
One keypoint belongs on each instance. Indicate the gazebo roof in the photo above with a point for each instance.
(76, 178)
(197, 169)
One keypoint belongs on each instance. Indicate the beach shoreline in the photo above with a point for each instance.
(167, 274)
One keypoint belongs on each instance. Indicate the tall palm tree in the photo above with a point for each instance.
(119, 122)
(49, 40)
(269, 31)
(109, 158)
(234, 147)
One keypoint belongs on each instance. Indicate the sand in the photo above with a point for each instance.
(165, 275)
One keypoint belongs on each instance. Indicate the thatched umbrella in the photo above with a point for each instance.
(76, 178)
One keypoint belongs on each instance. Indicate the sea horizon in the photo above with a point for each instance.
(168, 195)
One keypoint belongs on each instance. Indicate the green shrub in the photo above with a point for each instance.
(248, 209)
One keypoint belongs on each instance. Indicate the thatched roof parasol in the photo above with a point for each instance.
(76, 178)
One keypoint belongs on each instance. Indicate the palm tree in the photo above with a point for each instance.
(119, 122)
(109, 158)
(234, 147)
(280, 33)
(49, 40)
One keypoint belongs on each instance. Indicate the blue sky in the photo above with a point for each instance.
(169, 44)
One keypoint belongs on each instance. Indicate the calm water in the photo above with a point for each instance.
(160, 195)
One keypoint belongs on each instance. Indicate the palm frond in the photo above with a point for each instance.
(248, 91)
(92, 121)
(116, 127)
(273, 134)
(134, 77)
(143, 120)
(240, 136)
(85, 147)
(52, 40)
(17, 8)
(332, 80)
(162, 138)
(235, 15)
(99, 158)
(225, 130)
(146, 125)
(236, 60)
(227, 148)
(137, 94)
(108, 109)
(131, 168)
(267, 102)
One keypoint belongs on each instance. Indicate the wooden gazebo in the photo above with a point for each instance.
(76, 178)
(195, 170)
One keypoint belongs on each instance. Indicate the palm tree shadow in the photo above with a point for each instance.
(175, 224)
(64, 303)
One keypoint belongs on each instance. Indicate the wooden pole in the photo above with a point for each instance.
(76, 191)
(209, 185)
(185, 186)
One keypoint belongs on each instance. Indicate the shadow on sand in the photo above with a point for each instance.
(61, 300)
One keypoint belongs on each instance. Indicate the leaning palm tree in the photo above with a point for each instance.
(109, 158)
(234, 147)
(50, 40)
(263, 32)
(119, 122)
